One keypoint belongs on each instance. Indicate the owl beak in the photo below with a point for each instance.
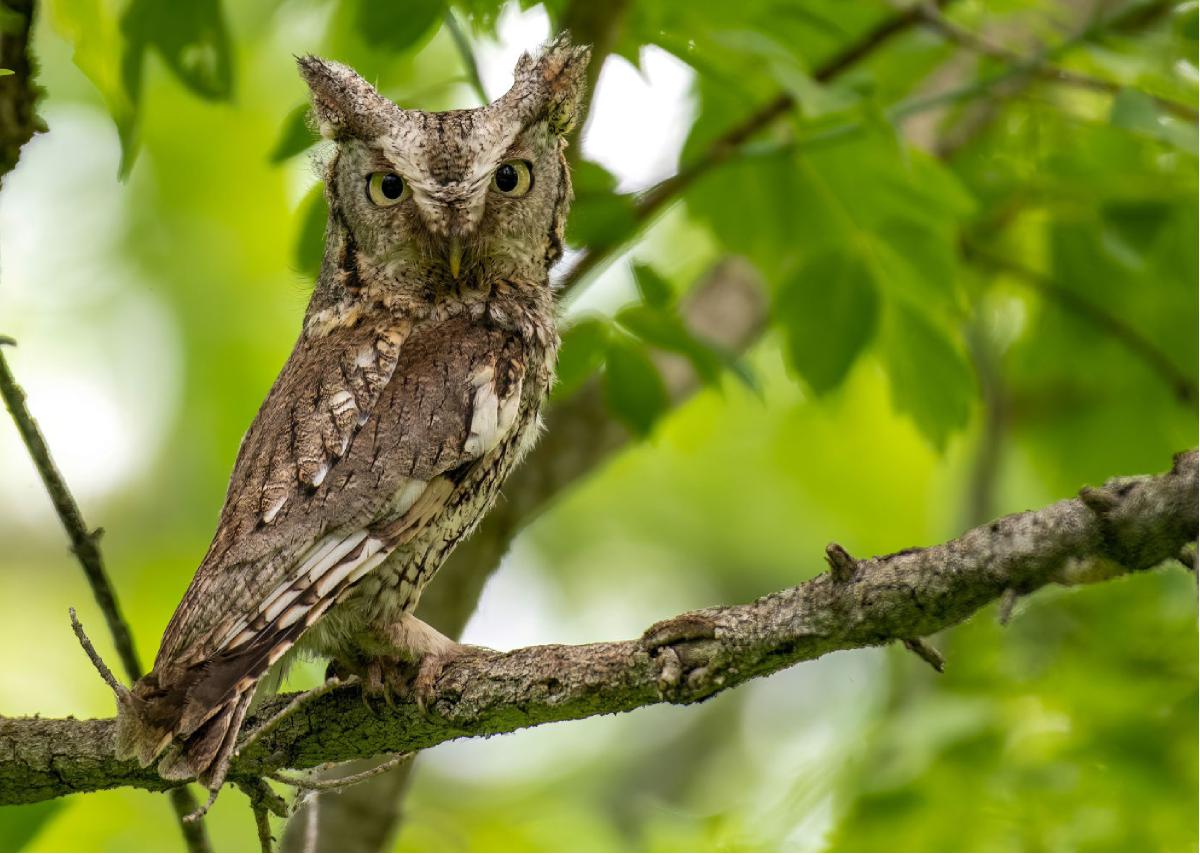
(454, 256)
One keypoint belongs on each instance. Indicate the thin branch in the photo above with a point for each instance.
(84, 543)
(262, 824)
(729, 143)
(1183, 387)
(83, 540)
(325, 785)
(98, 663)
(1140, 523)
(1131, 17)
(1039, 67)
(263, 802)
(467, 55)
(927, 652)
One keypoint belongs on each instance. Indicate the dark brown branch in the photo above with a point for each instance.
(903, 596)
(18, 93)
(1183, 387)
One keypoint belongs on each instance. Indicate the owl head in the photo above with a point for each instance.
(441, 200)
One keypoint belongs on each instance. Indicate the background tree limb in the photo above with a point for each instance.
(1129, 524)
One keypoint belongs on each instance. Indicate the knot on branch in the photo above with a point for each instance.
(688, 655)
(842, 566)
(1122, 507)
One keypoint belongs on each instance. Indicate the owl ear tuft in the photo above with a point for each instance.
(555, 78)
(344, 105)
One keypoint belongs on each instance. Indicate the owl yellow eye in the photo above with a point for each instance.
(386, 189)
(513, 178)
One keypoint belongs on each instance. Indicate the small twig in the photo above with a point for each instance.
(263, 802)
(1007, 603)
(465, 51)
(842, 565)
(262, 822)
(1038, 66)
(1182, 385)
(97, 662)
(927, 652)
(293, 705)
(319, 786)
(195, 834)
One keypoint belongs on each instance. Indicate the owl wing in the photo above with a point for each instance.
(357, 447)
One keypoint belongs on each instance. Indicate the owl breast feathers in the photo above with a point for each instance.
(414, 388)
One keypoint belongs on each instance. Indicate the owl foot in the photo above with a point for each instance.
(423, 687)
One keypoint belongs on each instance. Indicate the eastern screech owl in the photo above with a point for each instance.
(427, 349)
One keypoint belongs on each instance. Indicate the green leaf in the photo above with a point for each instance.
(600, 216)
(664, 329)
(397, 25)
(581, 354)
(590, 177)
(632, 386)
(92, 28)
(295, 136)
(310, 242)
(192, 40)
(19, 824)
(1136, 111)
(829, 310)
(917, 261)
(815, 99)
(655, 290)
(930, 378)
(4, 72)
(601, 219)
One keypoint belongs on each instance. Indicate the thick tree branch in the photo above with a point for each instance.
(1129, 524)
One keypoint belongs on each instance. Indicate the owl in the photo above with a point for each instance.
(414, 389)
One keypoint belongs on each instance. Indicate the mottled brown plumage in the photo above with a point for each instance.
(413, 390)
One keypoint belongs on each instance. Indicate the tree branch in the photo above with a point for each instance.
(467, 54)
(18, 93)
(1129, 524)
(83, 540)
(1037, 64)
(729, 143)
(1181, 385)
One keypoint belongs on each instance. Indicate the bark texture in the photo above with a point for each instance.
(1128, 525)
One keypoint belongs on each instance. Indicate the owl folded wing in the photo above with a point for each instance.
(357, 448)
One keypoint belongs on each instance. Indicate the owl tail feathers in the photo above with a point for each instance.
(194, 740)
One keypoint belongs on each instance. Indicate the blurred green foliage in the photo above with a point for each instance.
(903, 372)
